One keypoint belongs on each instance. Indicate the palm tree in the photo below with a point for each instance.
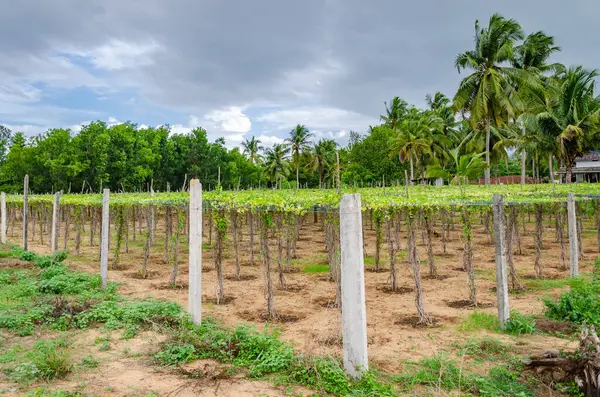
(276, 162)
(299, 142)
(394, 112)
(323, 157)
(415, 137)
(489, 93)
(251, 148)
(466, 166)
(570, 114)
(532, 55)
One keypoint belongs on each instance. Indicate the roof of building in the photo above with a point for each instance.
(591, 156)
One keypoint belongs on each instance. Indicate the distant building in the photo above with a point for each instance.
(586, 169)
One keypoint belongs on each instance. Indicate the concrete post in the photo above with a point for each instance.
(3, 215)
(105, 235)
(354, 312)
(195, 252)
(25, 210)
(501, 273)
(573, 241)
(54, 233)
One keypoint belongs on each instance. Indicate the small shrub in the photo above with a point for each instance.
(501, 382)
(438, 371)
(27, 256)
(519, 324)
(176, 354)
(43, 262)
(580, 304)
(60, 256)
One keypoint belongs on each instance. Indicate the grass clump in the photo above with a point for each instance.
(519, 324)
(440, 374)
(487, 348)
(47, 360)
(578, 305)
(478, 320)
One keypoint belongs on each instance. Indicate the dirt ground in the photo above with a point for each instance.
(392, 339)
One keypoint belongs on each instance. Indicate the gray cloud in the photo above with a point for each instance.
(196, 57)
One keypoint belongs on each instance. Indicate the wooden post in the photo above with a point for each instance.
(105, 235)
(25, 210)
(195, 252)
(573, 242)
(354, 312)
(55, 223)
(501, 272)
(3, 215)
(406, 181)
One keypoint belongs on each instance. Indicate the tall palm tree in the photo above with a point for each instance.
(532, 55)
(415, 137)
(394, 112)
(324, 157)
(251, 148)
(276, 162)
(570, 114)
(299, 142)
(489, 94)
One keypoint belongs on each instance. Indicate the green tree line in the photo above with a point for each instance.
(514, 112)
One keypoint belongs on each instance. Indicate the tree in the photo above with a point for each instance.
(415, 136)
(532, 55)
(569, 113)
(299, 142)
(394, 112)
(324, 157)
(489, 94)
(276, 162)
(251, 148)
(466, 167)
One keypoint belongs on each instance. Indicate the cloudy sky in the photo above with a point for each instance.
(241, 68)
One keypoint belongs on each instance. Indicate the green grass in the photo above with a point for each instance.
(486, 349)
(479, 321)
(316, 268)
(546, 284)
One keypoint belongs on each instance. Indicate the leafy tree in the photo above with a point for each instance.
(323, 158)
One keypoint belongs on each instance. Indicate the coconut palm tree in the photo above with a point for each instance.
(394, 112)
(532, 55)
(466, 167)
(570, 113)
(489, 94)
(298, 142)
(415, 137)
(323, 157)
(276, 163)
(251, 148)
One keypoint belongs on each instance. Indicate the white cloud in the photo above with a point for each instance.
(27, 129)
(269, 140)
(117, 54)
(230, 120)
(318, 118)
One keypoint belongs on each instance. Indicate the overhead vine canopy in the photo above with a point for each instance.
(301, 201)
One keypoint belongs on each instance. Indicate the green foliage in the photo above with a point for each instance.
(317, 268)
(47, 360)
(501, 382)
(519, 324)
(41, 392)
(174, 354)
(578, 305)
(28, 256)
(438, 371)
(89, 362)
(478, 321)
(487, 348)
